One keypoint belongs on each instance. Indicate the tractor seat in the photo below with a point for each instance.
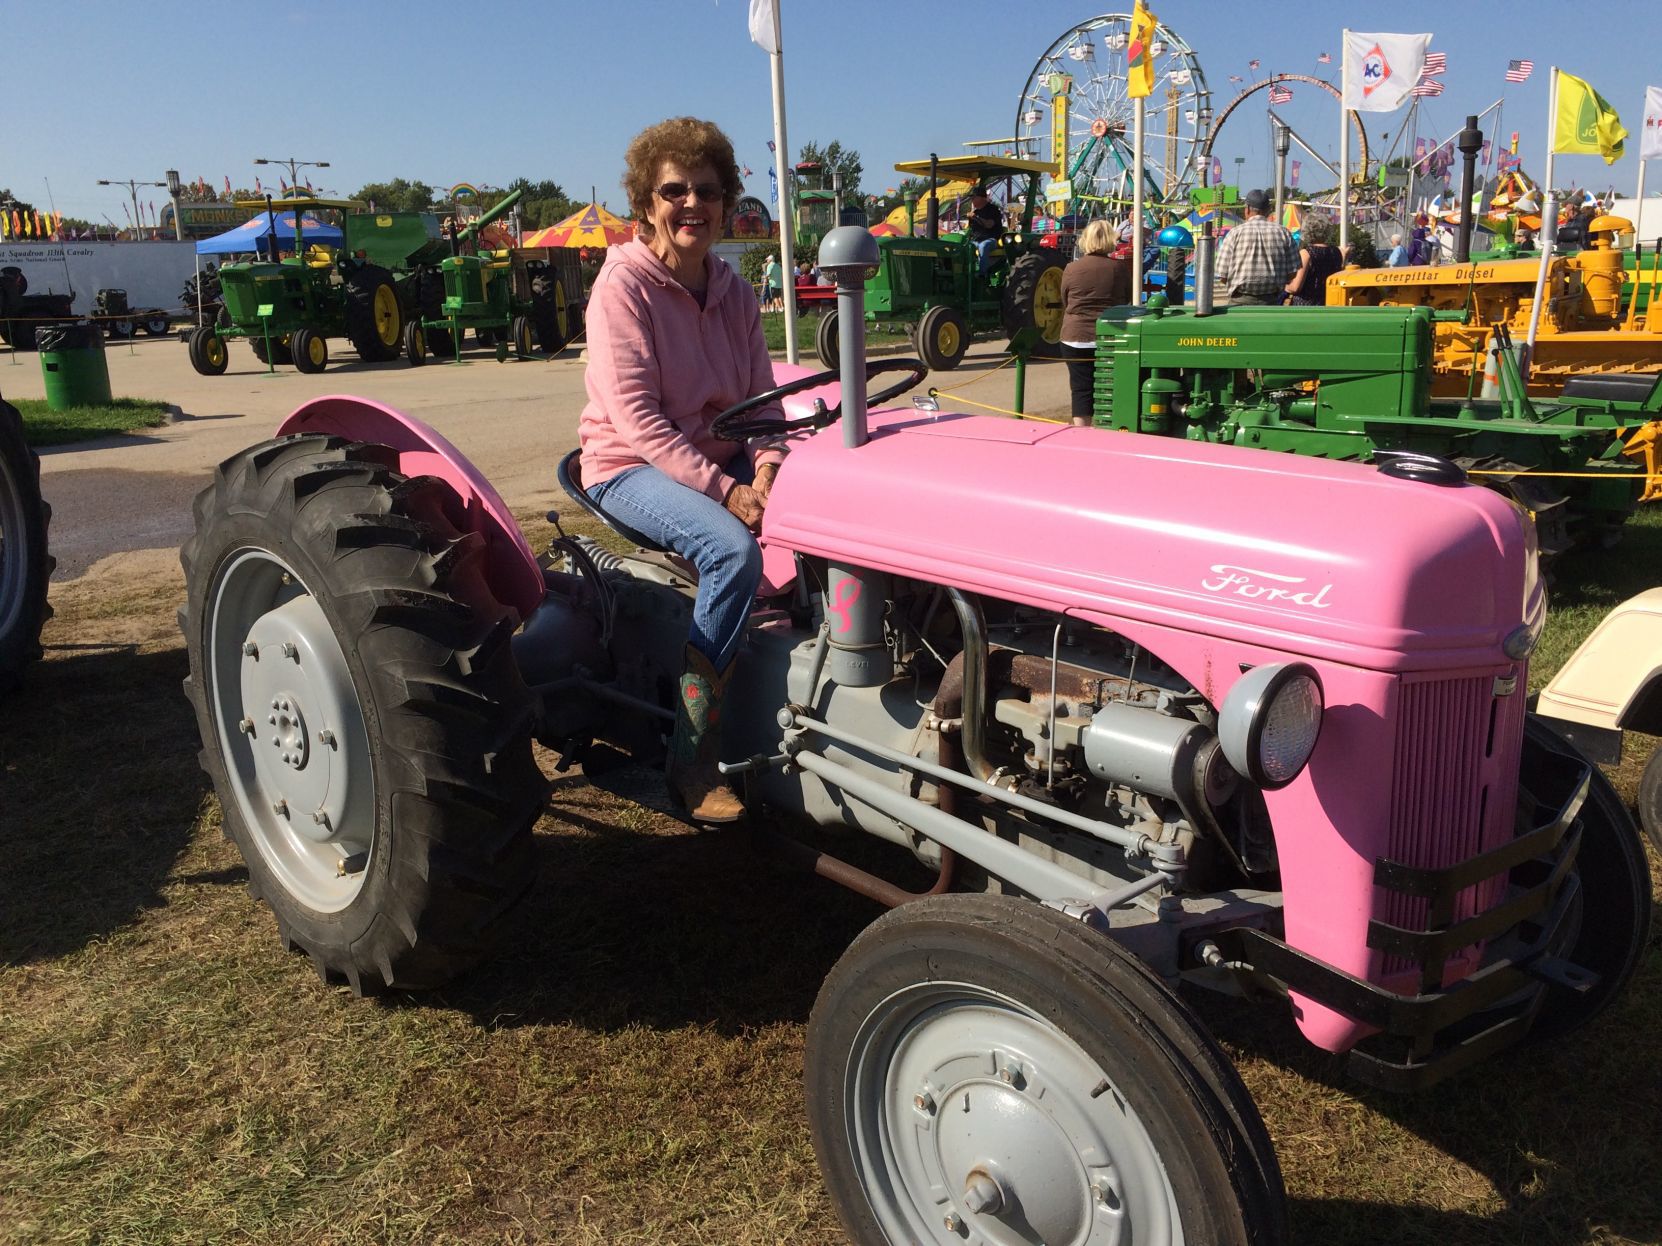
(570, 476)
(319, 255)
(1613, 386)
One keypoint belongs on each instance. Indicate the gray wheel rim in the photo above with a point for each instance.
(972, 1119)
(291, 730)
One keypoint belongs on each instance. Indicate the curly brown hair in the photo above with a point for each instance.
(687, 141)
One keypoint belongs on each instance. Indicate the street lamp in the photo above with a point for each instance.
(295, 166)
(132, 184)
(1240, 165)
(172, 176)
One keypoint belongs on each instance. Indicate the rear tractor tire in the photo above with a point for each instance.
(310, 350)
(280, 353)
(25, 565)
(826, 344)
(1033, 299)
(374, 318)
(361, 715)
(1650, 798)
(207, 351)
(980, 1068)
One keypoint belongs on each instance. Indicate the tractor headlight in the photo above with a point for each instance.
(1270, 720)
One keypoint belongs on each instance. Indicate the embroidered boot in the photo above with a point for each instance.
(693, 749)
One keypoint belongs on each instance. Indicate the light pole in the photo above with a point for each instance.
(1240, 165)
(295, 166)
(132, 184)
(172, 176)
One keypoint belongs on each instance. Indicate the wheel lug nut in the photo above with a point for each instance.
(289, 651)
(280, 808)
(326, 737)
(924, 1102)
(250, 649)
(246, 726)
(320, 817)
(953, 1222)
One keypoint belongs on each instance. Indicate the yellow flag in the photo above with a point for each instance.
(1139, 54)
(1585, 121)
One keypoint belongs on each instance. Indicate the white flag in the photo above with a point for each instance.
(764, 24)
(1380, 70)
(1650, 138)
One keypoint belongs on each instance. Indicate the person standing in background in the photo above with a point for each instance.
(1257, 258)
(1096, 280)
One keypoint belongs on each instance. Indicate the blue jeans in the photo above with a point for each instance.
(983, 248)
(706, 534)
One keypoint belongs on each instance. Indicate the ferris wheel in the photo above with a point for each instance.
(1082, 75)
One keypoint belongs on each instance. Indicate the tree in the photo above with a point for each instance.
(8, 201)
(834, 157)
(545, 203)
(397, 195)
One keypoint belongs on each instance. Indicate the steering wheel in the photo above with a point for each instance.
(729, 425)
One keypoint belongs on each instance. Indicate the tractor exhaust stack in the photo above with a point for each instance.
(849, 254)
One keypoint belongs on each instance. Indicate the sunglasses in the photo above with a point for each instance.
(673, 192)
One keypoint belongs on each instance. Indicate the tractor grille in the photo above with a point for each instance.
(1452, 795)
(1107, 345)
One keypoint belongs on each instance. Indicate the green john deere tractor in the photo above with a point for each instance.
(289, 308)
(935, 284)
(507, 298)
(1347, 382)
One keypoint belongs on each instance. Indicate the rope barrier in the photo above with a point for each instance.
(970, 402)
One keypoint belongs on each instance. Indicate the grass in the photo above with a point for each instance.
(773, 328)
(629, 1070)
(43, 426)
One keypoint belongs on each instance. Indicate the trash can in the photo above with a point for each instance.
(72, 357)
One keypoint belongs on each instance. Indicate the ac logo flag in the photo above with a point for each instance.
(1585, 121)
(1650, 141)
(1139, 54)
(1380, 70)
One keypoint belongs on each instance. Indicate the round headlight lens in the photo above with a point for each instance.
(1270, 721)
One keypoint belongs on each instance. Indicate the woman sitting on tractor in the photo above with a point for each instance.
(675, 338)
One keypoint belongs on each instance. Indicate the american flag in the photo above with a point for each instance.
(1236, 78)
(1324, 59)
(1427, 87)
(1435, 63)
(1280, 94)
(1252, 64)
(1517, 71)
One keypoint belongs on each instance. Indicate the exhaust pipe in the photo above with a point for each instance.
(1206, 258)
(849, 254)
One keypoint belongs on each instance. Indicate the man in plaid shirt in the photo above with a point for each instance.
(1258, 257)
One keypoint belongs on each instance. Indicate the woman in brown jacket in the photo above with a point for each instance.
(1094, 281)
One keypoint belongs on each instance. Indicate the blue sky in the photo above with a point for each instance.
(460, 92)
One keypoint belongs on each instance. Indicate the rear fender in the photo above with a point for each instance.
(1614, 680)
(423, 451)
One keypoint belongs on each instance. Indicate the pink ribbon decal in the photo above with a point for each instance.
(847, 593)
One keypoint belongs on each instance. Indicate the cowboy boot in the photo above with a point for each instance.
(693, 749)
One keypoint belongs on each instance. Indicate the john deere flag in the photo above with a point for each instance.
(1139, 54)
(1380, 70)
(1585, 121)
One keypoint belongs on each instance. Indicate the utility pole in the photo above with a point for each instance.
(294, 167)
(132, 184)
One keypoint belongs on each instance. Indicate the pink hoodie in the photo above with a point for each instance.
(661, 368)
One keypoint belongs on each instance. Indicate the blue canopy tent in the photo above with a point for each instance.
(252, 236)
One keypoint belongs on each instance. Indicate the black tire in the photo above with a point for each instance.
(25, 565)
(121, 329)
(958, 999)
(429, 299)
(310, 350)
(395, 617)
(280, 353)
(524, 338)
(550, 312)
(488, 338)
(1615, 903)
(1650, 798)
(942, 338)
(415, 343)
(1033, 299)
(826, 345)
(374, 316)
(157, 325)
(207, 351)
(16, 277)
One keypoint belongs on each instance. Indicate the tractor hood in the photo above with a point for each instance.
(1333, 561)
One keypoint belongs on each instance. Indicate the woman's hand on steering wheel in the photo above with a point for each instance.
(731, 426)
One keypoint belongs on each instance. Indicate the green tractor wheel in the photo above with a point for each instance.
(1033, 299)
(942, 338)
(550, 312)
(279, 350)
(311, 350)
(825, 340)
(415, 343)
(523, 343)
(374, 320)
(207, 351)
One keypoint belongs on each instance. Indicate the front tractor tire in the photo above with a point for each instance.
(374, 317)
(980, 1068)
(827, 345)
(942, 338)
(362, 719)
(310, 350)
(207, 351)
(25, 566)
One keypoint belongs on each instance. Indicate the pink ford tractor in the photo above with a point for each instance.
(1156, 712)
